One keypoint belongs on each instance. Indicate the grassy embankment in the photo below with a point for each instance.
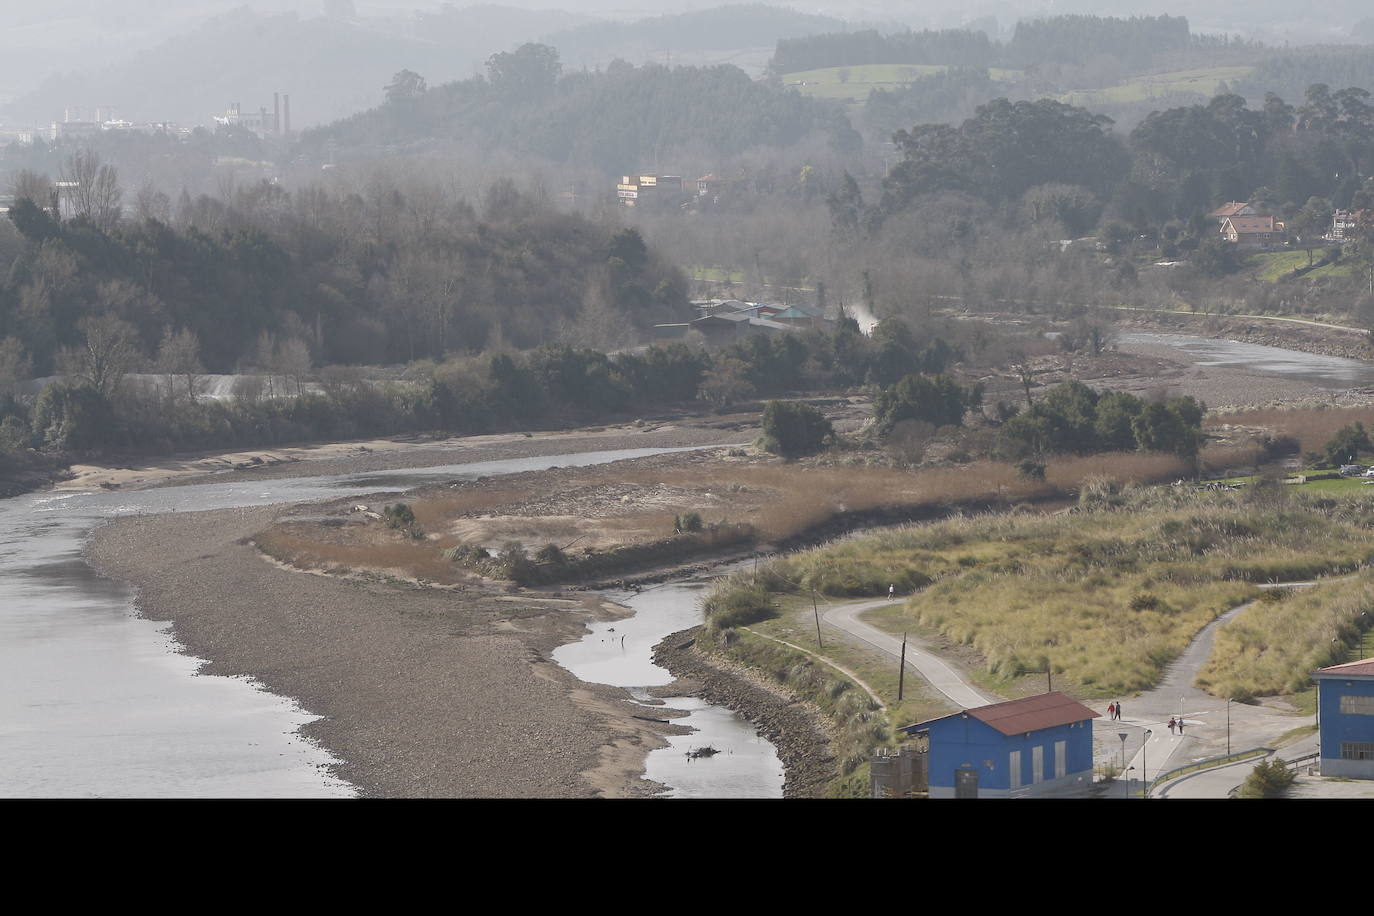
(1271, 648)
(853, 84)
(1106, 596)
(1201, 82)
(1273, 266)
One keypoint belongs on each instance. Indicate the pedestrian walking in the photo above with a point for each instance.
(1118, 710)
(1111, 711)
(1172, 723)
(1180, 725)
(891, 589)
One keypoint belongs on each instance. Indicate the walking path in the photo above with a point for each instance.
(1315, 324)
(872, 694)
(919, 656)
(1210, 728)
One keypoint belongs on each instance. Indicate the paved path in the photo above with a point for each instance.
(1207, 730)
(1315, 324)
(919, 655)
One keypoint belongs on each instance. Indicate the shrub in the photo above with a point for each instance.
(793, 429)
(402, 518)
(551, 555)
(687, 523)
(1269, 779)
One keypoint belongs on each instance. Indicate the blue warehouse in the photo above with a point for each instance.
(1033, 746)
(1345, 718)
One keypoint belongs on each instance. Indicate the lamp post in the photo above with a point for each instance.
(1144, 768)
(1228, 727)
(1129, 771)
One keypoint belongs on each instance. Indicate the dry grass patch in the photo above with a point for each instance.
(1312, 426)
(1105, 596)
(1272, 647)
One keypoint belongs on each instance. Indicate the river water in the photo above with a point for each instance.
(620, 653)
(1324, 371)
(95, 701)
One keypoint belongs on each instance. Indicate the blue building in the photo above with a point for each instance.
(1032, 746)
(1345, 719)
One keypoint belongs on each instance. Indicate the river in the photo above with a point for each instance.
(96, 701)
(1324, 371)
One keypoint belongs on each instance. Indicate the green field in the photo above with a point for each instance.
(853, 84)
(1274, 266)
(1202, 82)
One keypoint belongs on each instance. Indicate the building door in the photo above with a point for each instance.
(1061, 759)
(966, 783)
(1037, 764)
(1014, 764)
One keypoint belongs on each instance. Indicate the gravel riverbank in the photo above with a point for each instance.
(422, 692)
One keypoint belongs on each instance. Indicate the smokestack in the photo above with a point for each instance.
(286, 114)
(276, 113)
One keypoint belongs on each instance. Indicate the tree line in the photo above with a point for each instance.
(1068, 39)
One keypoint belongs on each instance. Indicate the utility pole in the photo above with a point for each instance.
(901, 670)
(817, 610)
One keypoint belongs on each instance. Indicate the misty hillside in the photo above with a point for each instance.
(615, 120)
(720, 35)
(330, 67)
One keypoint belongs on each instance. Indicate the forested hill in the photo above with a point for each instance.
(614, 120)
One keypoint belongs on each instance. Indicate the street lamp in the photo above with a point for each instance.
(1228, 727)
(1129, 771)
(1144, 768)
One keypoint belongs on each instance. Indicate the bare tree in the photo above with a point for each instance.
(29, 184)
(178, 357)
(150, 203)
(92, 188)
(109, 352)
(15, 366)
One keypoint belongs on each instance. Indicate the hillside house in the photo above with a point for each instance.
(1032, 746)
(1344, 221)
(1253, 232)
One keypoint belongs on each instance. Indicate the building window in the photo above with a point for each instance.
(1352, 705)
(1357, 750)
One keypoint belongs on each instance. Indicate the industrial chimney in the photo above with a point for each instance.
(276, 113)
(286, 114)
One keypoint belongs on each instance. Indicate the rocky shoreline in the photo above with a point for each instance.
(795, 728)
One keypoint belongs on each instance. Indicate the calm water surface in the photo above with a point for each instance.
(95, 701)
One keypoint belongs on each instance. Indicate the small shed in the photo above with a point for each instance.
(1033, 746)
(1345, 719)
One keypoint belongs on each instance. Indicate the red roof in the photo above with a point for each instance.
(1362, 668)
(1048, 710)
(1228, 209)
(1016, 717)
(1252, 223)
